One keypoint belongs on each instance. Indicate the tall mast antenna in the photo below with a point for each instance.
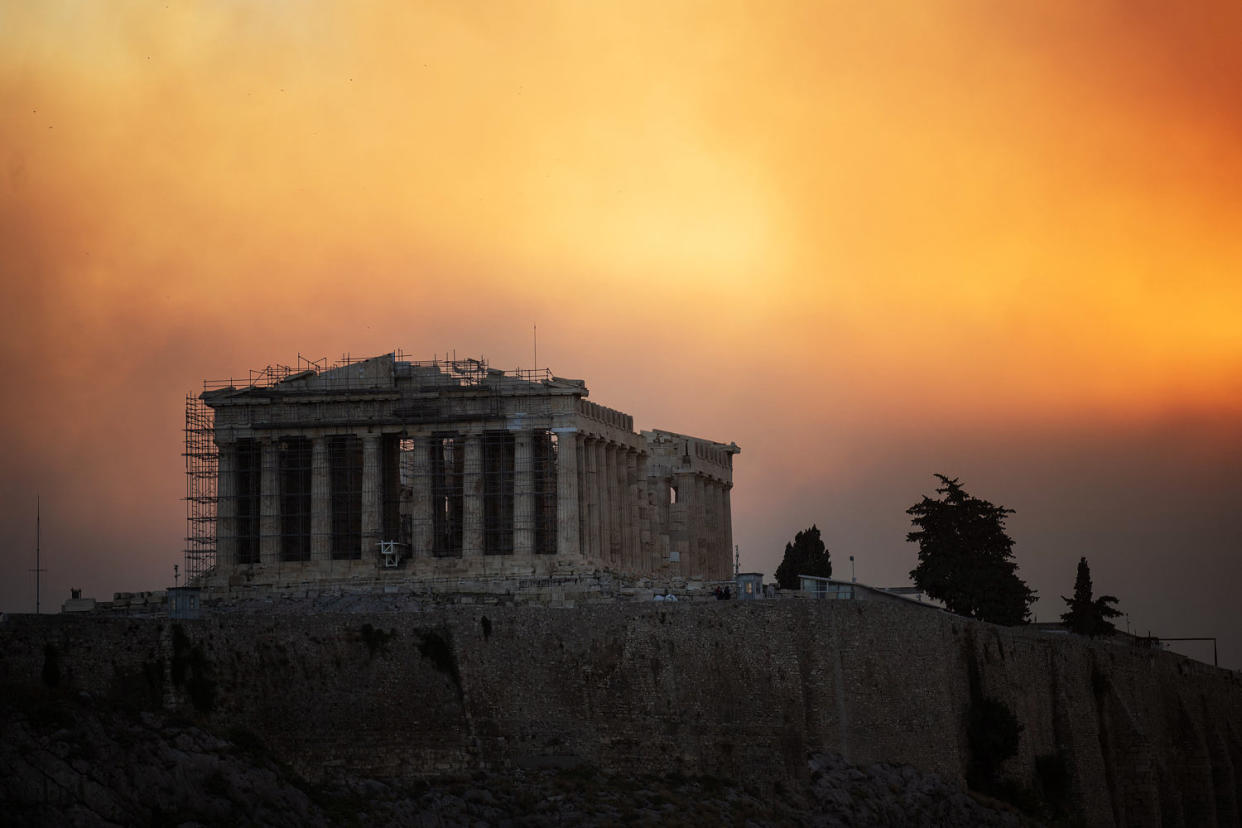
(38, 566)
(534, 338)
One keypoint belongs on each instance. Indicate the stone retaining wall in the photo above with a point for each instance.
(739, 690)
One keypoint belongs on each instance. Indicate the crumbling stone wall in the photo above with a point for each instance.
(740, 690)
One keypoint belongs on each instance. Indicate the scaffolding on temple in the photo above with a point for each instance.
(201, 462)
(422, 480)
(431, 374)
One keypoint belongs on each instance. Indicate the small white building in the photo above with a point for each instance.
(829, 589)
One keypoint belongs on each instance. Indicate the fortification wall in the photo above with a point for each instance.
(739, 690)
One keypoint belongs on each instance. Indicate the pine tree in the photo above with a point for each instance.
(807, 555)
(1087, 615)
(965, 557)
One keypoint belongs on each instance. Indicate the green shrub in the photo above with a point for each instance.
(247, 741)
(51, 665)
(434, 647)
(190, 669)
(1052, 771)
(992, 731)
(375, 639)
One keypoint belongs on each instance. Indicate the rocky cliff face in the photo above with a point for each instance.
(71, 761)
(740, 691)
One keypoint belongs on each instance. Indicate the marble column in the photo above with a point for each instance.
(646, 542)
(584, 531)
(472, 497)
(681, 521)
(423, 520)
(629, 511)
(567, 504)
(592, 498)
(372, 494)
(715, 553)
(600, 449)
(321, 501)
(614, 506)
(523, 494)
(226, 507)
(698, 527)
(269, 503)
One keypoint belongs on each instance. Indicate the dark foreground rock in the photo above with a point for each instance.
(842, 794)
(66, 761)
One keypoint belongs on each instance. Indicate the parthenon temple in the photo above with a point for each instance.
(444, 468)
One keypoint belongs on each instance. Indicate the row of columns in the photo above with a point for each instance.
(423, 502)
(269, 517)
(705, 523)
(612, 508)
(602, 506)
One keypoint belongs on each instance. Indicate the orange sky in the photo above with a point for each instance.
(867, 241)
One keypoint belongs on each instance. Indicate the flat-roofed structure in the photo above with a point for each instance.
(440, 469)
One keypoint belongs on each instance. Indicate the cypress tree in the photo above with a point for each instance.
(1088, 615)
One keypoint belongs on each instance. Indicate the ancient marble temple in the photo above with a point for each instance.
(452, 468)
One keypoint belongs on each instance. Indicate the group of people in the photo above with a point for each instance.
(721, 593)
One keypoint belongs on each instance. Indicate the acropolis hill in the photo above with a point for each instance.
(420, 572)
(734, 690)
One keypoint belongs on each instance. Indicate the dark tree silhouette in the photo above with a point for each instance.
(807, 555)
(965, 557)
(993, 734)
(1087, 615)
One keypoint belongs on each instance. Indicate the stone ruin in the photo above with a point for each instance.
(388, 468)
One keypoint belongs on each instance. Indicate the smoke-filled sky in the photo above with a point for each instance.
(867, 241)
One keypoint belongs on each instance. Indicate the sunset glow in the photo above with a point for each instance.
(868, 242)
